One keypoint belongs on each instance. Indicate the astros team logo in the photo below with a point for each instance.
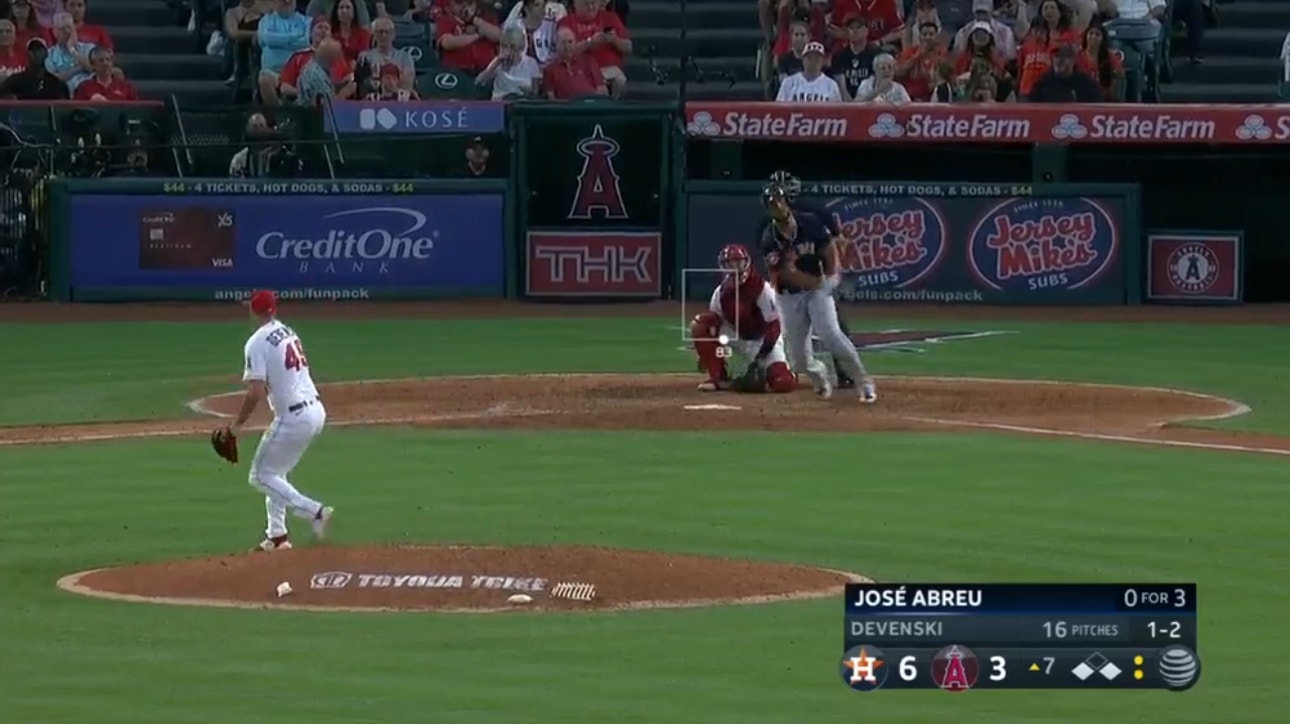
(864, 668)
(1193, 268)
(955, 668)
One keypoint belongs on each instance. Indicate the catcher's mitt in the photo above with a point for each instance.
(225, 444)
(753, 380)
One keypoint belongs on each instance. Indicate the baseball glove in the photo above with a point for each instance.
(753, 380)
(225, 444)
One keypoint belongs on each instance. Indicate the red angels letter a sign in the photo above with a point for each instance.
(598, 189)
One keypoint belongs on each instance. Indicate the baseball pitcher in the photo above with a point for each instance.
(277, 369)
(793, 185)
(803, 260)
(743, 310)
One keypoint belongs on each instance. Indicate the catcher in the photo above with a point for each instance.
(744, 310)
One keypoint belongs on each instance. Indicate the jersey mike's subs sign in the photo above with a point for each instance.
(1002, 123)
(962, 243)
(211, 239)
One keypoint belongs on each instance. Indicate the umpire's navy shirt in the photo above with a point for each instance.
(812, 239)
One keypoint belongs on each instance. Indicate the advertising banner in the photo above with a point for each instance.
(594, 189)
(415, 117)
(969, 243)
(1004, 123)
(214, 240)
(594, 264)
(1195, 267)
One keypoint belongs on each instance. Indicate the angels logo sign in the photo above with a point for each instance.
(1193, 268)
(955, 668)
(599, 194)
(889, 242)
(1048, 244)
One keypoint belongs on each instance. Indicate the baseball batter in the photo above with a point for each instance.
(277, 369)
(793, 185)
(803, 260)
(744, 312)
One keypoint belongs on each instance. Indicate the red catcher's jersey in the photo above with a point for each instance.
(756, 306)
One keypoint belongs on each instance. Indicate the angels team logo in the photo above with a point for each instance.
(1193, 268)
(955, 668)
(889, 242)
(1026, 244)
(599, 194)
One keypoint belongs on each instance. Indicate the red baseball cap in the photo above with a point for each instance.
(264, 302)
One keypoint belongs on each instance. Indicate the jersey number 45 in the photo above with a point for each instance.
(295, 356)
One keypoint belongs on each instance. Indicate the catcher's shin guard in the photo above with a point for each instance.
(779, 378)
(703, 331)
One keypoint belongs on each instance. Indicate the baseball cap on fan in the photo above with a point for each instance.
(263, 302)
(813, 47)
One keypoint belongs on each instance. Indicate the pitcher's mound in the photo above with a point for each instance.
(459, 578)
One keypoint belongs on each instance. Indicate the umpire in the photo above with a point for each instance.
(793, 186)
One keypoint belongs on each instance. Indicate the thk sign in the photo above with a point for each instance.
(594, 264)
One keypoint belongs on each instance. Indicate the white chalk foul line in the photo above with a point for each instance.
(501, 410)
(1100, 436)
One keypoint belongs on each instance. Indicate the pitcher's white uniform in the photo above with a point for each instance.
(275, 355)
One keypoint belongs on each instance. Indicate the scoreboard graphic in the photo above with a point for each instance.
(959, 637)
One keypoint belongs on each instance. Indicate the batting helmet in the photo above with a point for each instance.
(792, 184)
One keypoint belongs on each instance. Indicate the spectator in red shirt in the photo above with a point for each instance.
(789, 12)
(345, 28)
(916, 67)
(882, 17)
(24, 18)
(85, 32)
(467, 39)
(389, 90)
(602, 35)
(289, 78)
(104, 84)
(1101, 63)
(572, 74)
(13, 57)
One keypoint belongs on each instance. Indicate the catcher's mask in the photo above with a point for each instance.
(792, 184)
(736, 260)
(775, 198)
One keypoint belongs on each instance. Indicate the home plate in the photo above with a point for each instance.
(713, 407)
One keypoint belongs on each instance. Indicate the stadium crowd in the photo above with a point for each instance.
(1004, 51)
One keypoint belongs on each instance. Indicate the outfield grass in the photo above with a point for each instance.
(897, 507)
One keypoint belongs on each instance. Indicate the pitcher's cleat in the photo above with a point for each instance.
(321, 521)
(276, 543)
(868, 393)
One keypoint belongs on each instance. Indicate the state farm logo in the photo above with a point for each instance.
(1069, 127)
(1052, 244)
(891, 242)
(1193, 268)
(702, 125)
(1254, 128)
(886, 126)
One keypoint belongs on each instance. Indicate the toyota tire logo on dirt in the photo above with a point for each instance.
(1049, 244)
(889, 242)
